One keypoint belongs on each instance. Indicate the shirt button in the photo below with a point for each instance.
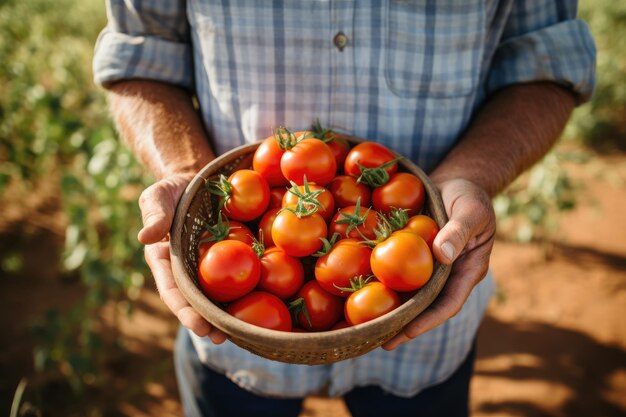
(340, 40)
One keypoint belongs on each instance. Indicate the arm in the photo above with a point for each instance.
(514, 129)
(164, 130)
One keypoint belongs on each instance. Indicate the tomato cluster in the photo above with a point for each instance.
(339, 238)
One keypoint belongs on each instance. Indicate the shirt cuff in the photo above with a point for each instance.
(121, 56)
(564, 53)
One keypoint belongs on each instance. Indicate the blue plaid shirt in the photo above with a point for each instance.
(409, 74)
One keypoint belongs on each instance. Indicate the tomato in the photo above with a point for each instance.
(325, 198)
(365, 229)
(403, 262)
(281, 274)
(348, 259)
(369, 155)
(311, 158)
(228, 270)
(403, 190)
(249, 195)
(322, 308)
(424, 226)
(298, 236)
(346, 191)
(370, 302)
(266, 161)
(237, 231)
(340, 147)
(265, 227)
(262, 309)
(276, 197)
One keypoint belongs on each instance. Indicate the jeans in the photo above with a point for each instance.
(205, 393)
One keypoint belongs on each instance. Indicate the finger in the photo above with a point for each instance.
(157, 212)
(471, 222)
(157, 257)
(468, 271)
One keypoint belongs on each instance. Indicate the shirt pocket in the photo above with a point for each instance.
(433, 48)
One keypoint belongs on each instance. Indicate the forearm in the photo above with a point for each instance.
(514, 129)
(161, 126)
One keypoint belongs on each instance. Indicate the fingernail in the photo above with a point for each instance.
(448, 250)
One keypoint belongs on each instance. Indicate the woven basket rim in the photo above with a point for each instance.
(305, 341)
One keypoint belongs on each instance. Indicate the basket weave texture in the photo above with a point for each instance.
(197, 205)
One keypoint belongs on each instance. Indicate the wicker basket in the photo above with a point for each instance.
(197, 206)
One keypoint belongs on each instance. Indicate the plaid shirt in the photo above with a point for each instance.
(409, 74)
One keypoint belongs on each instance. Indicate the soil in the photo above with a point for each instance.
(553, 343)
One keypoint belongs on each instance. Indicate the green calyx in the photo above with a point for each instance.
(307, 200)
(356, 283)
(221, 188)
(297, 307)
(219, 231)
(327, 245)
(287, 139)
(323, 134)
(375, 176)
(354, 220)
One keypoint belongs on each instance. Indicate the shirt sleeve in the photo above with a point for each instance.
(543, 41)
(146, 39)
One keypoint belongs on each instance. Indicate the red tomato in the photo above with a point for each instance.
(325, 198)
(265, 226)
(424, 226)
(348, 259)
(323, 308)
(346, 191)
(403, 190)
(229, 270)
(262, 309)
(237, 231)
(340, 148)
(341, 324)
(298, 236)
(266, 161)
(370, 302)
(403, 262)
(311, 158)
(281, 274)
(250, 196)
(370, 155)
(365, 229)
(276, 197)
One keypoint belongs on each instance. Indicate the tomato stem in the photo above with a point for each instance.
(297, 307)
(375, 176)
(219, 231)
(221, 188)
(257, 245)
(323, 134)
(354, 220)
(327, 245)
(356, 283)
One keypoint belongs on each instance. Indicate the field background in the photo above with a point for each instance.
(85, 334)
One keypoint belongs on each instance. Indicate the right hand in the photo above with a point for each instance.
(158, 205)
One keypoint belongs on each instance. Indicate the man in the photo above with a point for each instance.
(474, 92)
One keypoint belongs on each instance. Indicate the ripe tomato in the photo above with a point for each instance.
(276, 197)
(237, 231)
(403, 190)
(266, 161)
(348, 259)
(370, 155)
(370, 302)
(298, 236)
(265, 226)
(325, 198)
(366, 227)
(403, 262)
(262, 309)
(249, 195)
(228, 270)
(346, 191)
(281, 274)
(424, 226)
(311, 158)
(340, 148)
(322, 308)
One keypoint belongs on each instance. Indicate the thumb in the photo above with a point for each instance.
(158, 205)
(470, 215)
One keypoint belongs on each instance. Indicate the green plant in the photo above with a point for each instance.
(54, 126)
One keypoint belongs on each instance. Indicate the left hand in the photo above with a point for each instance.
(467, 240)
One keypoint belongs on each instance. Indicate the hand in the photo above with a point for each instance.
(158, 204)
(467, 239)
